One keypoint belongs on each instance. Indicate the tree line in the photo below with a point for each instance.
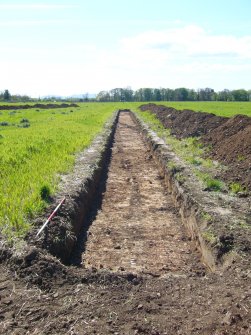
(7, 97)
(178, 94)
(146, 94)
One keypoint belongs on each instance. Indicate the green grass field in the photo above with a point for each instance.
(220, 108)
(37, 146)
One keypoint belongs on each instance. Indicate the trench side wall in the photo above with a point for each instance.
(189, 209)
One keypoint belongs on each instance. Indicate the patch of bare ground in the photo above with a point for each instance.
(140, 274)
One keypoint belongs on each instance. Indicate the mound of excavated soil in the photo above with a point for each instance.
(229, 138)
(231, 144)
(185, 123)
(41, 106)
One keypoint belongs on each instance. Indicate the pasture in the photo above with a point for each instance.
(36, 146)
(220, 108)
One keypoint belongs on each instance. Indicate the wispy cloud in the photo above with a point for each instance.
(189, 41)
(40, 6)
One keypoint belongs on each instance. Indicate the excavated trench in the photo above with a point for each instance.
(133, 224)
(140, 238)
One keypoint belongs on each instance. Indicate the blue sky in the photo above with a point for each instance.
(72, 47)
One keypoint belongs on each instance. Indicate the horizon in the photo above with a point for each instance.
(64, 48)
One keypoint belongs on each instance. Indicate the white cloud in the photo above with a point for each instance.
(188, 56)
(189, 41)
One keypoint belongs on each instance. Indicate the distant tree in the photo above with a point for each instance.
(181, 94)
(157, 94)
(225, 95)
(164, 95)
(192, 95)
(138, 95)
(116, 94)
(206, 94)
(128, 94)
(240, 95)
(169, 94)
(103, 96)
(147, 94)
(6, 95)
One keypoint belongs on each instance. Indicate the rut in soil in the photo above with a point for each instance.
(137, 228)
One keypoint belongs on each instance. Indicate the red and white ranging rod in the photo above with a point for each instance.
(51, 216)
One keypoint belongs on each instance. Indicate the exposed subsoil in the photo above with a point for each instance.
(137, 229)
(41, 106)
(140, 274)
(229, 138)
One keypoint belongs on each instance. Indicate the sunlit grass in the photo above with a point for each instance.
(32, 158)
(220, 108)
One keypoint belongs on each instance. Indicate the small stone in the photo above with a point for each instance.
(229, 319)
(140, 306)
(242, 194)
(6, 301)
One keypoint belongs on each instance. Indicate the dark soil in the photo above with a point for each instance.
(78, 301)
(231, 144)
(41, 106)
(185, 123)
(229, 139)
(165, 290)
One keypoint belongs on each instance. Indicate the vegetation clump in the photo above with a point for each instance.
(24, 123)
(236, 188)
(4, 124)
(45, 193)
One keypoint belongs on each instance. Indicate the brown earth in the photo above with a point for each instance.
(137, 229)
(231, 144)
(41, 106)
(229, 138)
(131, 282)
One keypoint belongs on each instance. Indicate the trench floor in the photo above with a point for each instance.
(137, 228)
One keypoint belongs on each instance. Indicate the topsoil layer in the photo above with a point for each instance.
(229, 139)
(145, 286)
(41, 106)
